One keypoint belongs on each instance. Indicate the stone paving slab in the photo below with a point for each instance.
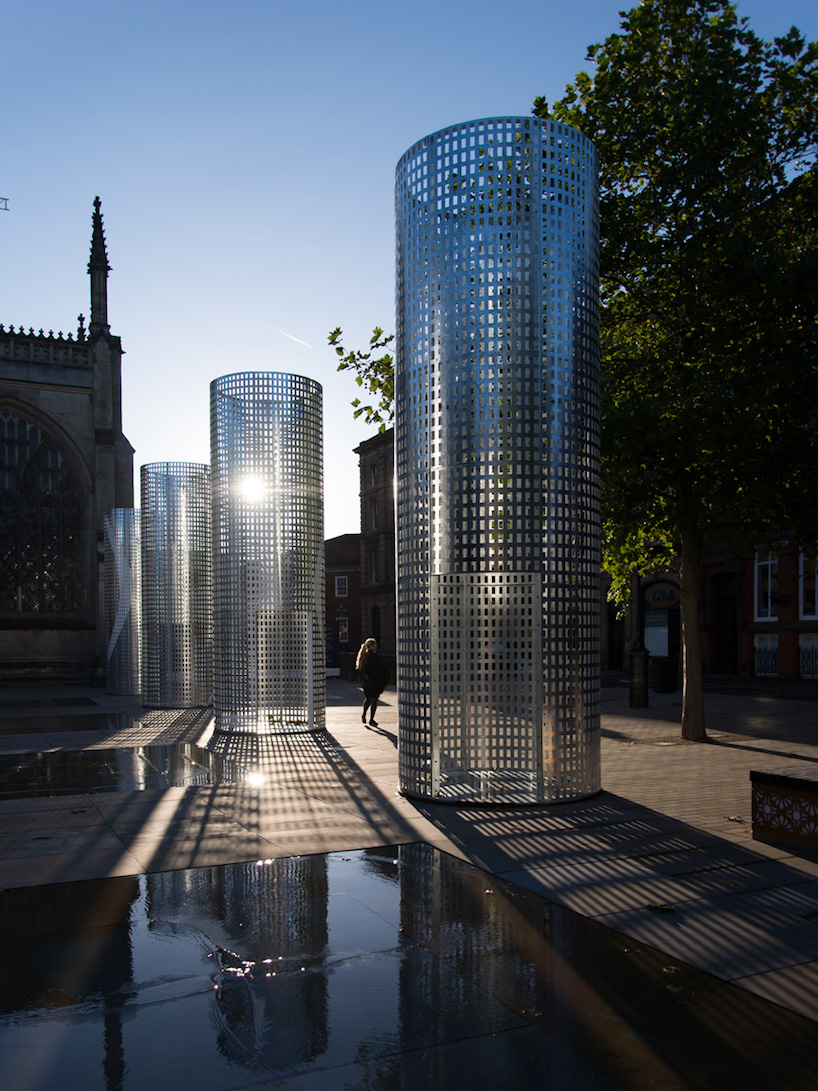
(793, 987)
(60, 840)
(174, 850)
(593, 888)
(34, 724)
(10, 699)
(721, 936)
(798, 899)
(35, 821)
(81, 861)
(21, 804)
(16, 743)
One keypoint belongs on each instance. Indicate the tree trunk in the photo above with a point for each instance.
(690, 594)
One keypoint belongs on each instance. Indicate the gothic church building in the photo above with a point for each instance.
(64, 462)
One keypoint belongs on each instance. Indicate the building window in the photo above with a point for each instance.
(373, 514)
(40, 522)
(373, 567)
(341, 587)
(343, 630)
(373, 475)
(766, 655)
(766, 586)
(808, 655)
(808, 588)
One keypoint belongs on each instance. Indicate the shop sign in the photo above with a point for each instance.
(661, 596)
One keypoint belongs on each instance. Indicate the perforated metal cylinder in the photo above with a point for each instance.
(123, 607)
(177, 592)
(268, 553)
(497, 463)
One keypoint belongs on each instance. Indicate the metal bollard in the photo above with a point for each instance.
(639, 657)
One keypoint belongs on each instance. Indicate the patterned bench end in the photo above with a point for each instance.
(785, 806)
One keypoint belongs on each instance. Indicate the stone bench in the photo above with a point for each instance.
(785, 806)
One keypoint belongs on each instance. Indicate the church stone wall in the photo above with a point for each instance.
(64, 462)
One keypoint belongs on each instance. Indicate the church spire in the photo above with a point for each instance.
(98, 268)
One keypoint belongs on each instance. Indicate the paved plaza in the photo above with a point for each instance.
(664, 856)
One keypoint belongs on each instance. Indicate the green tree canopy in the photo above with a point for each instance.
(707, 142)
(707, 138)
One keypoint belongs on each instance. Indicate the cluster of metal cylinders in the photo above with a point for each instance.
(214, 587)
(497, 420)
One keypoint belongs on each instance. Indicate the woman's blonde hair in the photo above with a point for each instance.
(364, 650)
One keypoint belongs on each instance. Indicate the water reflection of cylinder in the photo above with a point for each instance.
(177, 625)
(268, 556)
(497, 457)
(123, 607)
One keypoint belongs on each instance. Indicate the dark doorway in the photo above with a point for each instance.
(725, 657)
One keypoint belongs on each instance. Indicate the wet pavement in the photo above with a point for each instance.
(287, 920)
(399, 966)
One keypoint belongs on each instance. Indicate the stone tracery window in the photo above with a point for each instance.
(40, 521)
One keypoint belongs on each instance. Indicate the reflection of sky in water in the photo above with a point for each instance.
(390, 968)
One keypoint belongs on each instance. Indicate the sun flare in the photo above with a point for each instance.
(252, 489)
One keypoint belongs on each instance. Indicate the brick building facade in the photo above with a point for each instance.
(342, 557)
(377, 474)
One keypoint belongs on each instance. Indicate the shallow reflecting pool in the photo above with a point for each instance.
(69, 772)
(381, 969)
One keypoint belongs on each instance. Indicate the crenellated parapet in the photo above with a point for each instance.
(44, 348)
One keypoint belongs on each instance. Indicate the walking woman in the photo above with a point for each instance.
(374, 675)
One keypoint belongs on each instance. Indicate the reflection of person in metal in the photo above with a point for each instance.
(374, 675)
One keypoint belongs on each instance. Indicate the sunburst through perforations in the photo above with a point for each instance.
(268, 555)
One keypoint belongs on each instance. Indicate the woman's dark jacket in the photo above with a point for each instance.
(374, 674)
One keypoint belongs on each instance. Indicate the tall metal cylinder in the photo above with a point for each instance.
(497, 463)
(268, 553)
(177, 600)
(123, 606)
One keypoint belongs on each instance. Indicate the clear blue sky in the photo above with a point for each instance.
(244, 153)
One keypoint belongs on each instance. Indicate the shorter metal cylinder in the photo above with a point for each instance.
(177, 618)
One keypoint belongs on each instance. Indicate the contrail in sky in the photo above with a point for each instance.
(284, 332)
